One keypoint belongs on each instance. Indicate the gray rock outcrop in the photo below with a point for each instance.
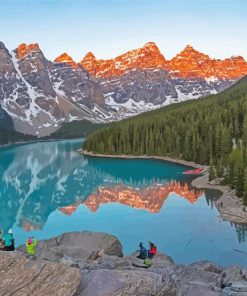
(78, 246)
(19, 276)
(91, 264)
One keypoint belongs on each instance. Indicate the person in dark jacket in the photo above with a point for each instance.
(142, 252)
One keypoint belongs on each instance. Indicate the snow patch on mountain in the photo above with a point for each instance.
(33, 109)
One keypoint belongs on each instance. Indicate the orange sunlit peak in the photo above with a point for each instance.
(24, 49)
(66, 59)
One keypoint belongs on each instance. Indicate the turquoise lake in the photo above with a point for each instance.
(48, 188)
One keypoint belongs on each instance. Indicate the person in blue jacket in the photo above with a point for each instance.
(8, 241)
(142, 252)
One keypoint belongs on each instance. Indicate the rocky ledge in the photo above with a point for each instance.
(92, 264)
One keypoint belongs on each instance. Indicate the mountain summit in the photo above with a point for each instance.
(66, 59)
(189, 63)
(192, 63)
(40, 95)
(24, 49)
(148, 56)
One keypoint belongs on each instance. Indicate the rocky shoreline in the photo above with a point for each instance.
(92, 264)
(230, 207)
(125, 156)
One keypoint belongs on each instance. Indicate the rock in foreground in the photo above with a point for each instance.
(101, 270)
(21, 277)
(77, 245)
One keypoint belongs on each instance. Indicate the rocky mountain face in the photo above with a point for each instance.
(146, 57)
(190, 63)
(40, 95)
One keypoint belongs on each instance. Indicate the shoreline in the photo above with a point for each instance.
(38, 140)
(125, 156)
(229, 206)
(16, 143)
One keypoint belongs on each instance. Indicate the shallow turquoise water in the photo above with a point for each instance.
(47, 188)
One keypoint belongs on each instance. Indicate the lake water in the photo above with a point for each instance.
(48, 188)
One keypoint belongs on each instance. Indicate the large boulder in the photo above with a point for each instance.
(196, 279)
(105, 272)
(125, 282)
(114, 262)
(232, 274)
(78, 246)
(236, 289)
(22, 277)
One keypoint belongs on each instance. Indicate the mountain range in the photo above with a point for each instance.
(39, 95)
(209, 131)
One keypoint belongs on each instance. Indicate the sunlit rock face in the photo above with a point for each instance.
(40, 95)
(189, 63)
(146, 57)
(66, 59)
(24, 49)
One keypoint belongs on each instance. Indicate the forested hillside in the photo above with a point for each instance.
(7, 132)
(8, 137)
(210, 131)
(75, 129)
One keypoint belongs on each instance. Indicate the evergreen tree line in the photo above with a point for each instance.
(8, 136)
(209, 131)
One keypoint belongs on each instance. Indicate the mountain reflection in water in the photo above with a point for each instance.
(38, 178)
(41, 181)
(150, 198)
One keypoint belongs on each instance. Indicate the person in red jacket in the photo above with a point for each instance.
(152, 251)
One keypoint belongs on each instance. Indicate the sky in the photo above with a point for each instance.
(111, 27)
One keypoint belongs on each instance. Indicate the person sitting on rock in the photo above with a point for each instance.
(30, 246)
(143, 252)
(8, 241)
(152, 251)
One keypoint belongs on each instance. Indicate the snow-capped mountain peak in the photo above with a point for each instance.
(39, 95)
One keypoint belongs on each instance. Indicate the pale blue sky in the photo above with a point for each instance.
(111, 27)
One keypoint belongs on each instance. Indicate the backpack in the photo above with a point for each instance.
(148, 262)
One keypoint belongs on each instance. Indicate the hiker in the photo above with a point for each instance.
(8, 241)
(152, 250)
(143, 252)
(30, 246)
